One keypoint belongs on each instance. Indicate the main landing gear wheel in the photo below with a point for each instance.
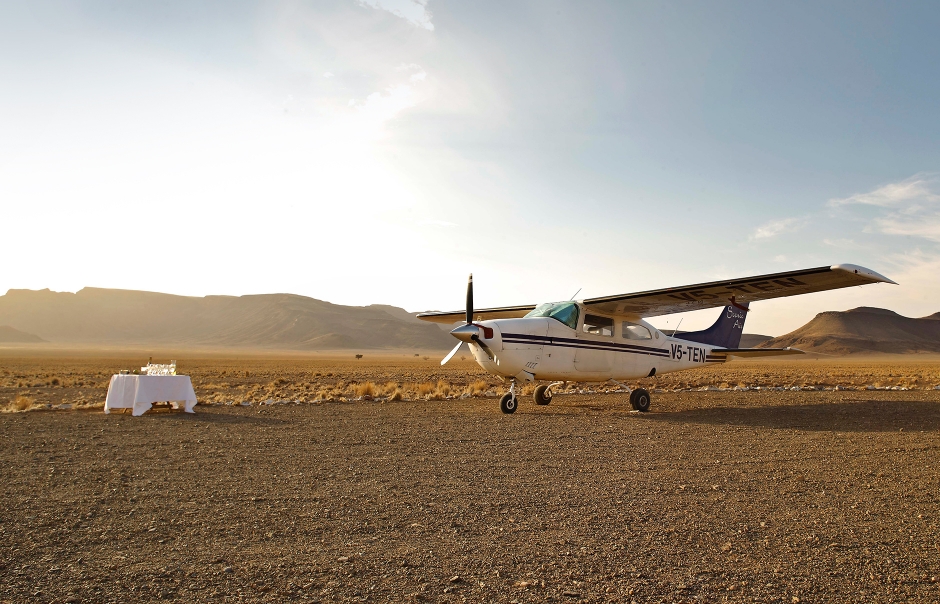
(640, 399)
(508, 403)
(543, 395)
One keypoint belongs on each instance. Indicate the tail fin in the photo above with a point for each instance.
(727, 330)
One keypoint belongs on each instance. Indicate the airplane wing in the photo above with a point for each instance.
(751, 353)
(483, 314)
(749, 289)
(671, 300)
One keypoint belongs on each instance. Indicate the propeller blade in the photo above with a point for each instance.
(486, 349)
(470, 300)
(451, 354)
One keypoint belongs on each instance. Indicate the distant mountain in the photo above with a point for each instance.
(863, 330)
(751, 340)
(15, 336)
(96, 316)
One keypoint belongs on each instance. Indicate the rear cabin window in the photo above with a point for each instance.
(598, 326)
(566, 312)
(632, 331)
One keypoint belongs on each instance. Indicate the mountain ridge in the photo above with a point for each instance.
(863, 330)
(98, 316)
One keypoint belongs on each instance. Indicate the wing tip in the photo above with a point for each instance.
(861, 270)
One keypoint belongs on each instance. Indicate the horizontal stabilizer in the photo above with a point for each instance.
(756, 352)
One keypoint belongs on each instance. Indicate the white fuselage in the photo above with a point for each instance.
(543, 348)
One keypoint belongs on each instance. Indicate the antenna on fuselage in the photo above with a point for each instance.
(575, 294)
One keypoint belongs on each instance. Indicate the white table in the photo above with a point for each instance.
(139, 392)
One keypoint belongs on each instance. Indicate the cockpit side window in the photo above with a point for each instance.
(632, 331)
(566, 312)
(598, 326)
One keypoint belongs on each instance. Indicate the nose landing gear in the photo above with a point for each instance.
(509, 402)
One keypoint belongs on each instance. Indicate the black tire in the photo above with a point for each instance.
(541, 398)
(508, 403)
(640, 399)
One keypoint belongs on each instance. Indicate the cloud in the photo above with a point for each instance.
(910, 207)
(327, 74)
(927, 227)
(914, 190)
(413, 11)
(775, 227)
(843, 242)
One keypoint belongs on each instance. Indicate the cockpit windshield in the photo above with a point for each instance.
(566, 312)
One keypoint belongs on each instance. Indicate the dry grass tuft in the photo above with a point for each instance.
(395, 396)
(20, 403)
(476, 388)
(366, 389)
(425, 389)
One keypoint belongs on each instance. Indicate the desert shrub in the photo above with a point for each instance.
(476, 388)
(443, 388)
(425, 389)
(20, 403)
(366, 389)
(55, 381)
(389, 387)
(395, 395)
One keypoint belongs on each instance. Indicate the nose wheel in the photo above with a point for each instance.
(509, 403)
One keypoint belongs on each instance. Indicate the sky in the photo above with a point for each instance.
(378, 151)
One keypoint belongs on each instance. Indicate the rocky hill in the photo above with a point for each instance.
(15, 336)
(111, 317)
(863, 330)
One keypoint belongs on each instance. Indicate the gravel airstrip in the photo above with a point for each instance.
(749, 496)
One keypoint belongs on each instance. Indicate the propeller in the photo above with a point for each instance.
(467, 332)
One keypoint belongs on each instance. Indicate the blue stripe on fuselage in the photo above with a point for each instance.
(520, 338)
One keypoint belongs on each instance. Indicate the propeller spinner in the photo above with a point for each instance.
(467, 332)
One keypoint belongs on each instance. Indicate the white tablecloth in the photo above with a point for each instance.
(139, 392)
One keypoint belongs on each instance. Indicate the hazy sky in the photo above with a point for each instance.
(377, 151)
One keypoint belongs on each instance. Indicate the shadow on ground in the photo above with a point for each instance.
(862, 415)
(213, 416)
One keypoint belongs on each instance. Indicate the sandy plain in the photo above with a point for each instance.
(770, 495)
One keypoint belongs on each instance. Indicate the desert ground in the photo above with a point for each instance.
(389, 478)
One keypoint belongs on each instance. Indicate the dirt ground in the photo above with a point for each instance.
(716, 495)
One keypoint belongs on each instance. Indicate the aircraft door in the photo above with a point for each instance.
(595, 353)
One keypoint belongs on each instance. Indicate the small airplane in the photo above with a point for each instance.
(607, 339)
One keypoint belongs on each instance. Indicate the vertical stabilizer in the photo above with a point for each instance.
(727, 330)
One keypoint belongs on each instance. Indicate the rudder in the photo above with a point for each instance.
(727, 330)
